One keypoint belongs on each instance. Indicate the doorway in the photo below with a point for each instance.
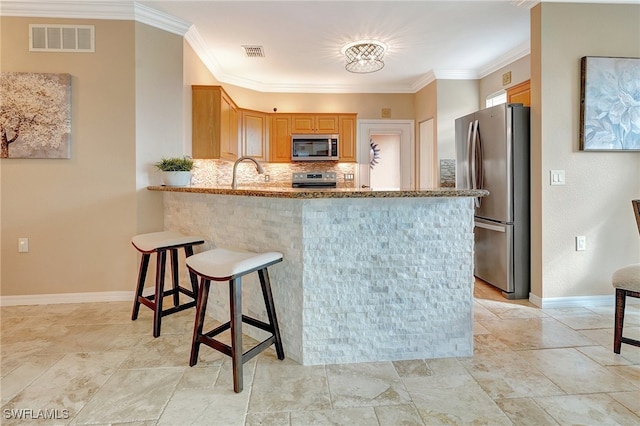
(386, 149)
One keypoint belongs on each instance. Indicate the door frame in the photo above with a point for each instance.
(405, 129)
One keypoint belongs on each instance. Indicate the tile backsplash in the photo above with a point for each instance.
(448, 173)
(219, 172)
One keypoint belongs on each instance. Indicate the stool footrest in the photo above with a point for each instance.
(246, 319)
(630, 341)
(178, 308)
(171, 292)
(226, 349)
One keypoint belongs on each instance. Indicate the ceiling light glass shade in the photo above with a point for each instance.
(364, 56)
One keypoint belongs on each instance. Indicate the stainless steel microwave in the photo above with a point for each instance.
(314, 147)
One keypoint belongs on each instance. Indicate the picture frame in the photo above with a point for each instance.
(609, 104)
(35, 115)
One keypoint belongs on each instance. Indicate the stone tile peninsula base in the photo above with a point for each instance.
(363, 278)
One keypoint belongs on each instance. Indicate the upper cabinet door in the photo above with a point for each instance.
(280, 138)
(254, 134)
(314, 123)
(347, 142)
(214, 127)
(520, 94)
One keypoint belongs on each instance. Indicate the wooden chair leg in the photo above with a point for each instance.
(235, 304)
(188, 251)
(175, 279)
(265, 283)
(621, 296)
(201, 308)
(161, 258)
(142, 274)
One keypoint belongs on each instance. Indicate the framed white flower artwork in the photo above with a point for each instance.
(610, 104)
(35, 115)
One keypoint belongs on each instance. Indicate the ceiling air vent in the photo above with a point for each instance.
(254, 51)
(61, 38)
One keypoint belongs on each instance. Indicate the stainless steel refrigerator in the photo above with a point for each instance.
(492, 152)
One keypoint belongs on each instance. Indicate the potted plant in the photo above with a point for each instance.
(176, 171)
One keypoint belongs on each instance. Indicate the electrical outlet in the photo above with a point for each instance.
(581, 243)
(267, 178)
(23, 245)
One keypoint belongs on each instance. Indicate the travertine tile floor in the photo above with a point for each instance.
(89, 364)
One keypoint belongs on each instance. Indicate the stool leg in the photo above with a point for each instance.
(188, 251)
(235, 305)
(175, 279)
(265, 283)
(201, 308)
(142, 273)
(161, 260)
(619, 321)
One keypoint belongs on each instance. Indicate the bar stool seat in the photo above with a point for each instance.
(626, 281)
(223, 264)
(159, 243)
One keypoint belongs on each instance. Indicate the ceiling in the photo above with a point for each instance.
(302, 41)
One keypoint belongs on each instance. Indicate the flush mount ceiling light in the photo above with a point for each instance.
(364, 56)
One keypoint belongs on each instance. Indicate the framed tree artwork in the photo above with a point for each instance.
(610, 104)
(35, 115)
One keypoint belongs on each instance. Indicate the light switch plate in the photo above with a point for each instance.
(557, 177)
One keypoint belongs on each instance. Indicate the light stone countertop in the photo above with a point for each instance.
(310, 193)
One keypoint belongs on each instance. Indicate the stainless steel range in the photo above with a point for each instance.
(314, 180)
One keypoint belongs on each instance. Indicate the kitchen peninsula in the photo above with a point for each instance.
(367, 275)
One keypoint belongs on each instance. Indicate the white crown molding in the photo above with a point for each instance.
(202, 51)
(456, 74)
(69, 9)
(504, 60)
(117, 10)
(161, 20)
(423, 81)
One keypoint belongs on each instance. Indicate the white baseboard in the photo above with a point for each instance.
(52, 299)
(577, 301)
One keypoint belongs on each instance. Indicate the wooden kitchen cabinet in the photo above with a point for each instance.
(280, 138)
(314, 123)
(254, 134)
(347, 142)
(520, 94)
(214, 125)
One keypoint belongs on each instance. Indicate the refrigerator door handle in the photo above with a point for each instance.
(469, 155)
(473, 147)
(490, 227)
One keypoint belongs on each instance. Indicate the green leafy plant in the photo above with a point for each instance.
(175, 164)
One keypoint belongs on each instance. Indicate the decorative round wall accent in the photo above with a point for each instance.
(374, 153)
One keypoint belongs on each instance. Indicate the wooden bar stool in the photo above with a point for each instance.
(159, 243)
(626, 281)
(230, 265)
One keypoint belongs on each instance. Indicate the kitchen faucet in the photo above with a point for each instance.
(259, 169)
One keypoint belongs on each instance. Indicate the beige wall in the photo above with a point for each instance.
(194, 73)
(456, 98)
(79, 214)
(490, 84)
(596, 200)
(426, 107)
